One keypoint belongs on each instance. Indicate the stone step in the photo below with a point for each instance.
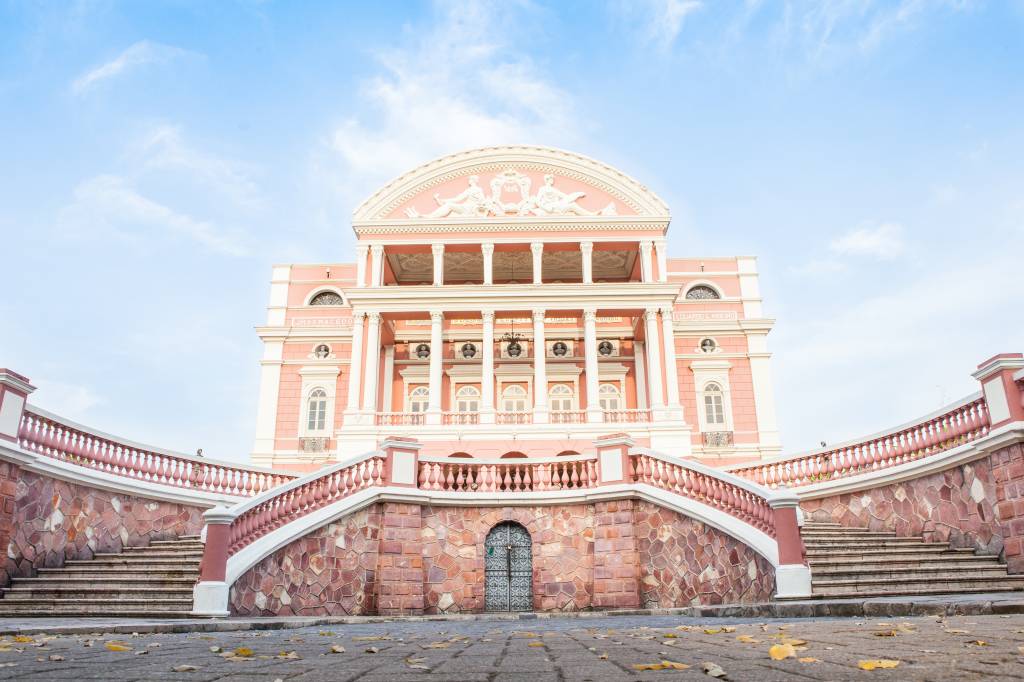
(876, 586)
(939, 574)
(106, 611)
(102, 581)
(851, 537)
(930, 561)
(120, 573)
(135, 564)
(158, 544)
(114, 592)
(895, 543)
(150, 554)
(94, 607)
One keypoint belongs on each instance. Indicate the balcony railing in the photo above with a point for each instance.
(717, 439)
(509, 476)
(627, 416)
(400, 418)
(460, 418)
(568, 417)
(513, 418)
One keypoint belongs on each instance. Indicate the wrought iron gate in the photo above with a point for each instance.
(508, 569)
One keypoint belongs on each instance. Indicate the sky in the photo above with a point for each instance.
(156, 158)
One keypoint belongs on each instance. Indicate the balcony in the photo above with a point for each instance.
(513, 418)
(627, 416)
(460, 418)
(400, 418)
(568, 417)
(717, 439)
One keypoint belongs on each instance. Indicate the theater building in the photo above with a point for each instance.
(514, 302)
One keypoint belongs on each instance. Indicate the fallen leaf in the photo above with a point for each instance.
(416, 663)
(714, 670)
(242, 652)
(116, 646)
(22, 639)
(288, 655)
(872, 664)
(603, 657)
(885, 633)
(670, 635)
(216, 649)
(978, 642)
(953, 631)
(142, 652)
(436, 645)
(326, 633)
(808, 659)
(536, 644)
(747, 639)
(55, 657)
(184, 669)
(337, 649)
(374, 638)
(794, 642)
(371, 650)
(781, 651)
(663, 665)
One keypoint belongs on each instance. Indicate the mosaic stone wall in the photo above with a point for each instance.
(684, 563)
(955, 506)
(616, 558)
(453, 560)
(9, 475)
(1008, 479)
(52, 521)
(330, 572)
(400, 587)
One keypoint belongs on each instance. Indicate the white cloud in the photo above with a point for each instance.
(667, 19)
(110, 203)
(63, 398)
(460, 84)
(141, 53)
(883, 241)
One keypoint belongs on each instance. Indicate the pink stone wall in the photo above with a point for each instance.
(52, 521)
(956, 506)
(1008, 479)
(330, 572)
(684, 562)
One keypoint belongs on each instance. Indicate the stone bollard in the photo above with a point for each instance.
(613, 458)
(401, 461)
(999, 377)
(14, 392)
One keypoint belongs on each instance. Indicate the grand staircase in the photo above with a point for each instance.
(855, 562)
(154, 581)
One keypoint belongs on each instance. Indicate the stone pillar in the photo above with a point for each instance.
(355, 364)
(653, 359)
(487, 369)
(389, 375)
(372, 364)
(488, 251)
(361, 253)
(14, 392)
(1004, 397)
(270, 387)
(594, 413)
(377, 265)
(438, 251)
(211, 594)
(792, 576)
(671, 369)
(661, 251)
(587, 259)
(640, 370)
(540, 370)
(764, 400)
(401, 462)
(646, 267)
(616, 558)
(400, 561)
(436, 355)
(538, 261)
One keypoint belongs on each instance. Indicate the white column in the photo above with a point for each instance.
(488, 251)
(645, 261)
(377, 265)
(389, 375)
(266, 407)
(438, 251)
(587, 255)
(764, 399)
(487, 370)
(540, 370)
(372, 364)
(661, 251)
(671, 369)
(594, 413)
(641, 375)
(538, 261)
(355, 363)
(653, 359)
(362, 251)
(436, 355)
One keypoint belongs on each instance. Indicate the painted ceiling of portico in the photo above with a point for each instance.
(517, 265)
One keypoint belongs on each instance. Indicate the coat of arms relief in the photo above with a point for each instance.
(475, 202)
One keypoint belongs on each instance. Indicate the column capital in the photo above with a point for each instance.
(538, 315)
(586, 247)
(487, 316)
(357, 316)
(651, 314)
(436, 317)
(363, 249)
(377, 249)
(487, 247)
(437, 249)
(590, 314)
(537, 247)
(646, 245)
(373, 317)
(667, 311)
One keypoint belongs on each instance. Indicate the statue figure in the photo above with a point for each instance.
(552, 201)
(470, 203)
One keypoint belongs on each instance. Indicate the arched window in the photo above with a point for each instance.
(460, 455)
(560, 398)
(316, 410)
(609, 398)
(419, 398)
(567, 453)
(513, 455)
(702, 291)
(327, 298)
(513, 399)
(714, 405)
(467, 399)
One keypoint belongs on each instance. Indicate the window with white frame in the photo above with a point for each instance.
(316, 410)
(714, 405)
(467, 399)
(513, 399)
(609, 397)
(560, 398)
(419, 399)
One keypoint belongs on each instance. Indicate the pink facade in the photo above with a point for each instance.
(472, 268)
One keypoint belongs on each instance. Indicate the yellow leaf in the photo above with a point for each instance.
(536, 644)
(670, 635)
(885, 633)
(115, 646)
(22, 639)
(436, 645)
(871, 664)
(527, 634)
(374, 638)
(793, 642)
(337, 649)
(747, 639)
(242, 652)
(954, 631)
(781, 651)
(808, 659)
(663, 665)
(978, 642)
(712, 631)
(288, 655)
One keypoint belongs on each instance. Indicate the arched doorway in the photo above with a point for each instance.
(508, 568)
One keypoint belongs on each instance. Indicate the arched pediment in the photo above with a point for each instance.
(511, 182)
